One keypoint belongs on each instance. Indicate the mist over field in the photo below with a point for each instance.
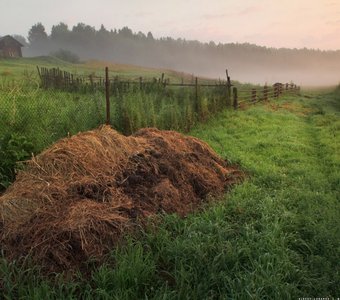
(245, 62)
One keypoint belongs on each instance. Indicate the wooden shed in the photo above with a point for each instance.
(10, 47)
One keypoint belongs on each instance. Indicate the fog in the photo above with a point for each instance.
(245, 62)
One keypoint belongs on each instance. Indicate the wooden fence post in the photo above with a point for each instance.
(265, 93)
(196, 95)
(228, 88)
(107, 94)
(253, 95)
(235, 104)
(276, 91)
(162, 79)
(140, 83)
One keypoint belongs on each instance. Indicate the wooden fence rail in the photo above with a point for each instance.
(56, 78)
(254, 95)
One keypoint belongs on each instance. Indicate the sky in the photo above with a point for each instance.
(273, 23)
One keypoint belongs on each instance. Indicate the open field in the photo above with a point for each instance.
(25, 69)
(275, 236)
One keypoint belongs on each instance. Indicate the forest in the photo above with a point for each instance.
(246, 62)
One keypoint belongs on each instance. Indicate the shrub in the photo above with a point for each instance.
(66, 55)
(13, 148)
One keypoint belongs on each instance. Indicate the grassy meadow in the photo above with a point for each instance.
(23, 69)
(275, 236)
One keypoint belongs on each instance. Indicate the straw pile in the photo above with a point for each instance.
(76, 199)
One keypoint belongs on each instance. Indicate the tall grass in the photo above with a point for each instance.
(176, 108)
(40, 117)
(43, 116)
(276, 236)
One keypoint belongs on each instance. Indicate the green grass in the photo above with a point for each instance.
(275, 236)
(44, 116)
(23, 69)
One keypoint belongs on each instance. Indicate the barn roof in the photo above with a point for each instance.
(7, 39)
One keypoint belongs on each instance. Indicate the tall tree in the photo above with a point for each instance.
(60, 32)
(150, 36)
(37, 34)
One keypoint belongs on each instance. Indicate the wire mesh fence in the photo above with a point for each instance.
(63, 104)
(34, 115)
(44, 115)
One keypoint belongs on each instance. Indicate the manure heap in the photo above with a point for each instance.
(77, 198)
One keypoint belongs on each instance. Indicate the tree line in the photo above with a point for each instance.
(248, 62)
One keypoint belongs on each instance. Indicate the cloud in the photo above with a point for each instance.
(333, 3)
(334, 22)
(217, 16)
(143, 14)
(243, 12)
(249, 10)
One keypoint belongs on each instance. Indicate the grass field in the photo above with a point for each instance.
(275, 236)
(25, 69)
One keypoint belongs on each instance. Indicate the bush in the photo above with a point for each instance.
(13, 148)
(66, 55)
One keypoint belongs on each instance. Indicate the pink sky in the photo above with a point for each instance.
(273, 23)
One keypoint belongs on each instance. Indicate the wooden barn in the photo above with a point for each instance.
(10, 47)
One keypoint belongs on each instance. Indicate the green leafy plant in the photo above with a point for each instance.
(14, 149)
(66, 55)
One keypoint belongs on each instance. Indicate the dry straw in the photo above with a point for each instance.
(76, 199)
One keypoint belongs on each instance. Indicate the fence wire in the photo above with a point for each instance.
(62, 104)
(43, 116)
(46, 115)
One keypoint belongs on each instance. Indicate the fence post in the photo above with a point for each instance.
(235, 104)
(162, 79)
(253, 95)
(107, 94)
(196, 95)
(39, 74)
(228, 87)
(276, 91)
(140, 83)
(265, 93)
